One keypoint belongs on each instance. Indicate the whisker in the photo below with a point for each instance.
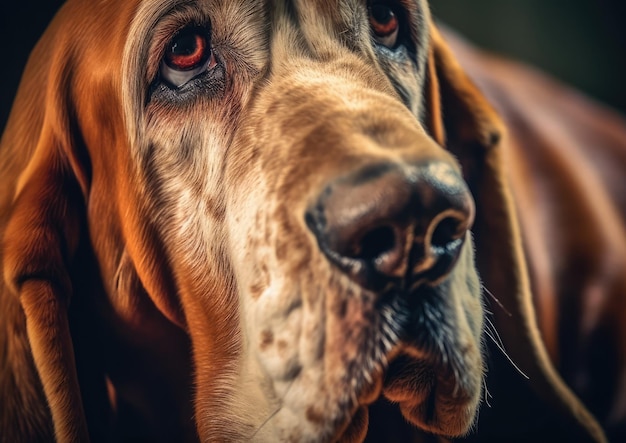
(273, 414)
(501, 348)
(497, 301)
(495, 336)
(487, 394)
(353, 398)
(493, 329)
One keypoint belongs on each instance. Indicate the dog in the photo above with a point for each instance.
(298, 220)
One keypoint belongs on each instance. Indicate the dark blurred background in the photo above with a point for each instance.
(582, 42)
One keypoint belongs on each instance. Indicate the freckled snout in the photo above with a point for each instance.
(393, 224)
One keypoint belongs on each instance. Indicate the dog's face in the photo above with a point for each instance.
(317, 235)
(283, 187)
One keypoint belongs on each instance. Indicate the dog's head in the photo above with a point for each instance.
(318, 234)
(282, 180)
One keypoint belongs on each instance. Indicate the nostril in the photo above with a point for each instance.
(445, 246)
(375, 243)
(445, 232)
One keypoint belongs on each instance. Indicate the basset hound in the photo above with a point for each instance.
(304, 221)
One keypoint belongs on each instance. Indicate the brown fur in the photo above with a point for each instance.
(160, 281)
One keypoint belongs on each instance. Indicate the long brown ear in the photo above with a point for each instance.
(459, 117)
(41, 207)
(40, 239)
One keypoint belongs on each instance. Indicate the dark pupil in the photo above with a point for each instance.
(382, 14)
(184, 45)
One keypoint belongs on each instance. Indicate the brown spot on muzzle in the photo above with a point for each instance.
(314, 415)
(267, 338)
(282, 347)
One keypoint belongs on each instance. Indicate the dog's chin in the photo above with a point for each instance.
(320, 414)
(427, 391)
(346, 427)
(417, 350)
(433, 395)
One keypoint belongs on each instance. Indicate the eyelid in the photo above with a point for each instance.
(389, 41)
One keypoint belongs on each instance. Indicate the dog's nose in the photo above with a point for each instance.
(389, 223)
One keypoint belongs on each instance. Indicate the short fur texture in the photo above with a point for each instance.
(161, 281)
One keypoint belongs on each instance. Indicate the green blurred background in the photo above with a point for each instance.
(583, 42)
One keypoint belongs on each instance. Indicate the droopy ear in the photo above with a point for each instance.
(459, 118)
(40, 239)
(41, 209)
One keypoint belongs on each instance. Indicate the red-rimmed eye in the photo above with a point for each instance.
(384, 23)
(188, 50)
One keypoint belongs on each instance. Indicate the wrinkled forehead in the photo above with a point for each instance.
(243, 23)
(346, 20)
(253, 33)
(343, 13)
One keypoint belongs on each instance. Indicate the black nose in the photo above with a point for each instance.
(392, 224)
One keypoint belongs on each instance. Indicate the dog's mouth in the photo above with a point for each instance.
(403, 347)
(429, 370)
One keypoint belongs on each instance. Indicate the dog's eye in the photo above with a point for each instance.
(186, 51)
(187, 55)
(385, 24)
